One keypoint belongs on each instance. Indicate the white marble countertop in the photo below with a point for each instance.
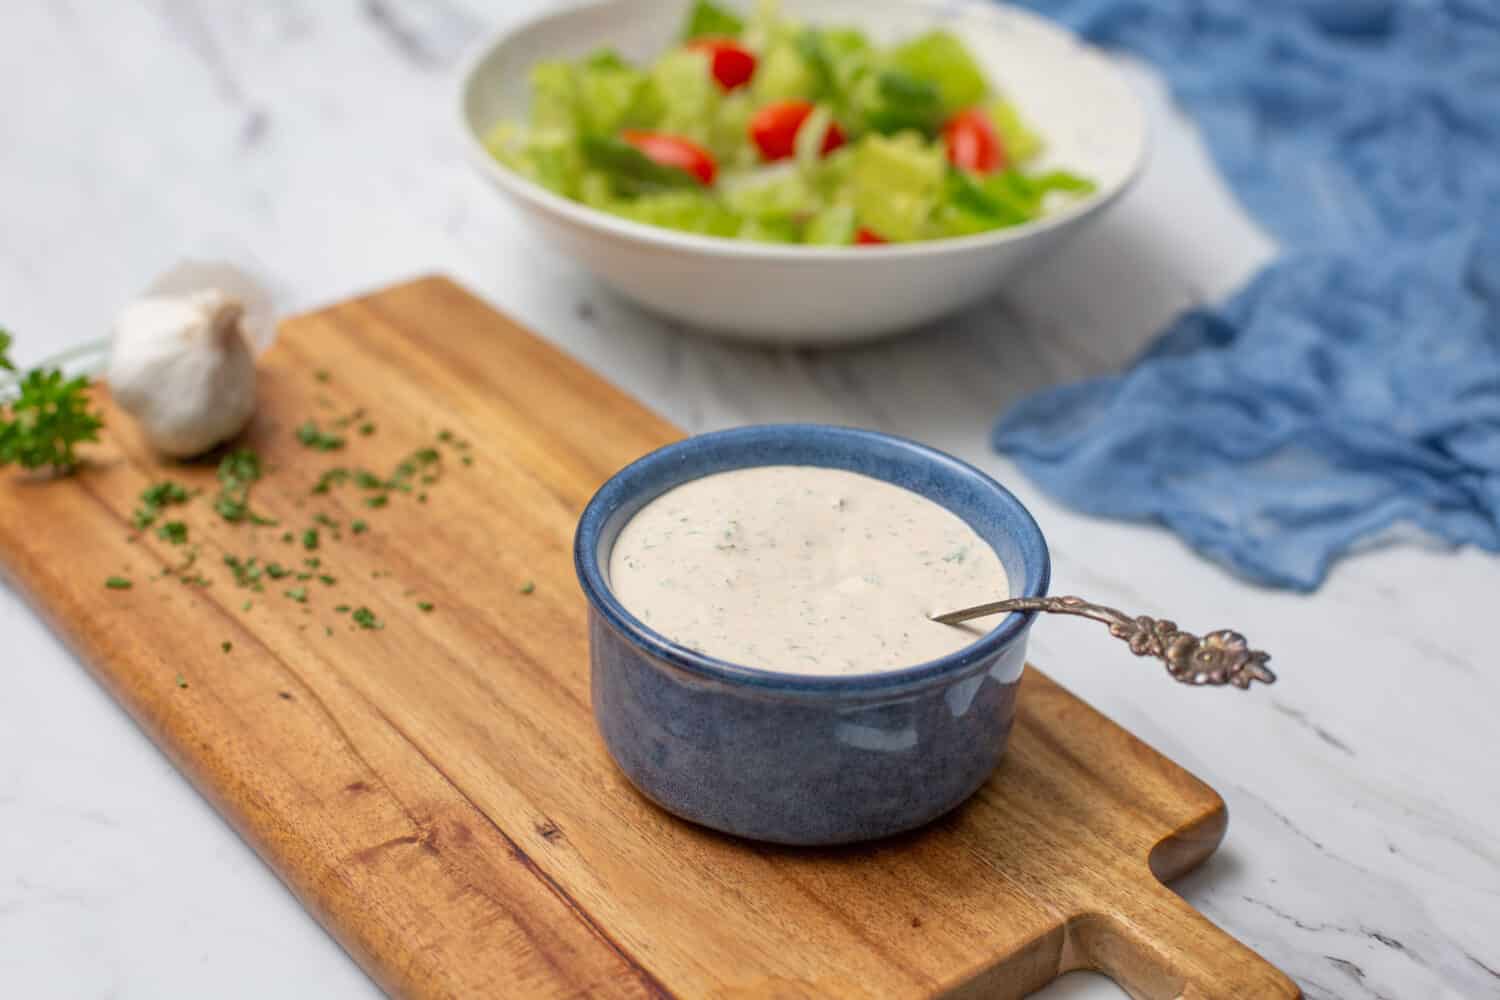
(316, 139)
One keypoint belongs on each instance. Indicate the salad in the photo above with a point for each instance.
(761, 128)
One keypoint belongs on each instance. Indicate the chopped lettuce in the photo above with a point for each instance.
(831, 175)
(689, 211)
(688, 95)
(783, 74)
(941, 59)
(1020, 143)
(612, 96)
(896, 183)
(595, 189)
(600, 94)
(771, 229)
(773, 192)
(767, 26)
(838, 60)
(969, 208)
(833, 226)
(1006, 198)
(729, 137)
(892, 101)
(553, 99)
(709, 20)
(551, 158)
(846, 48)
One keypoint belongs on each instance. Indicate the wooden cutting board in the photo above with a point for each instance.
(434, 790)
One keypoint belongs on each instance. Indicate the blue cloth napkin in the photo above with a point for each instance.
(1354, 385)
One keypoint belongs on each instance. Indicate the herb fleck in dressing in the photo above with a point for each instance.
(803, 570)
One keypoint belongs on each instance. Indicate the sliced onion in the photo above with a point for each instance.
(808, 146)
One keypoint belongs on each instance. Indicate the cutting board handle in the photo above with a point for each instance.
(1157, 947)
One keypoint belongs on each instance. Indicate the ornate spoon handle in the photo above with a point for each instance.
(1222, 657)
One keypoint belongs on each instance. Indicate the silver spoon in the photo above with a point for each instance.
(1221, 657)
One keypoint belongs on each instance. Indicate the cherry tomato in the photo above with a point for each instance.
(674, 151)
(868, 236)
(973, 143)
(733, 65)
(774, 127)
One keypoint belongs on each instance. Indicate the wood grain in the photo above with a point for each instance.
(434, 791)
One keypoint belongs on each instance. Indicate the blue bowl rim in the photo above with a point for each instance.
(618, 488)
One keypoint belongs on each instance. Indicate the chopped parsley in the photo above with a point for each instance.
(365, 618)
(319, 440)
(181, 681)
(247, 572)
(154, 499)
(181, 571)
(330, 479)
(452, 440)
(322, 375)
(157, 497)
(238, 472)
(423, 463)
(528, 587)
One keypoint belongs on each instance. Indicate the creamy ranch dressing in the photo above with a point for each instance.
(804, 570)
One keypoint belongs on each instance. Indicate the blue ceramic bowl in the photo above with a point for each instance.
(805, 759)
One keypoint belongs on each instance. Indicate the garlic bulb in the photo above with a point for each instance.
(184, 367)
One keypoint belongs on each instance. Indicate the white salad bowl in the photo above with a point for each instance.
(1091, 120)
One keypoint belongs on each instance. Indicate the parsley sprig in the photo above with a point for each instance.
(49, 416)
